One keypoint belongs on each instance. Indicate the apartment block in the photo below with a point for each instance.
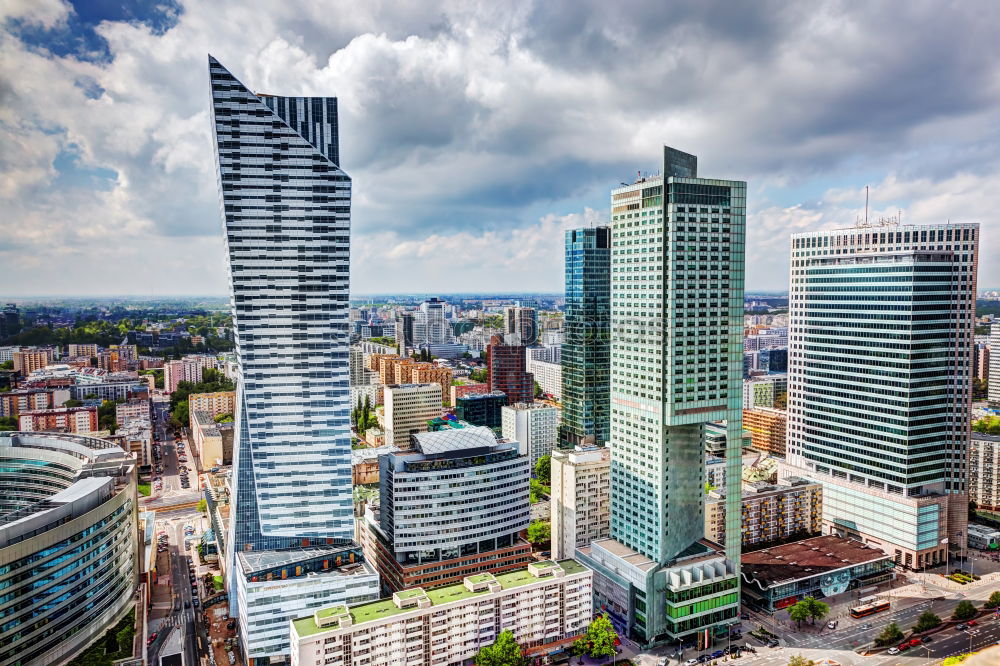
(27, 360)
(220, 402)
(136, 409)
(429, 373)
(13, 403)
(401, 371)
(183, 370)
(984, 471)
(581, 501)
(546, 605)
(213, 442)
(767, 428)
(408, 408)
(548, 375)
(981, 361)
(765, 391)
(770, 513)
(994, 365)
(81, 350)
(534, 426)
(76, 420)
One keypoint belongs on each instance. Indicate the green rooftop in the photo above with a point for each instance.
(332, 610)
(383, 608)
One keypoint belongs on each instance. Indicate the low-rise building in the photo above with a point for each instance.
(984, 469)
(364, 463)
(983, 538)
(546, 605)
(821, 567)
(767, 428)
(535, 426)
(790, 509)
(76, 420)
(580, 505)
(213, 442)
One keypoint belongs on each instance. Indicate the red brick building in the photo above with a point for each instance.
(506, 371)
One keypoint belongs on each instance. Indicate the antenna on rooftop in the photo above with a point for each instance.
(866, 205)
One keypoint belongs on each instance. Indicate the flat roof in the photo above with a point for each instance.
(384, 608)
(806, 558)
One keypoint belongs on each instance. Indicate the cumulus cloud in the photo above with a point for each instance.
(475, 131)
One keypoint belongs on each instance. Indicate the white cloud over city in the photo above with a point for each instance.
(475, 133)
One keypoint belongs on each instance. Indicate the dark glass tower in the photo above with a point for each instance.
(586, 349)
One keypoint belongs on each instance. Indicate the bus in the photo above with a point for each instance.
(869, 609)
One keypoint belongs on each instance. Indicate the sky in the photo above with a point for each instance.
(475, 133)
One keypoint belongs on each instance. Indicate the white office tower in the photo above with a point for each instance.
(880, 379)
(534, 425)
(286, 219)
(430, 324)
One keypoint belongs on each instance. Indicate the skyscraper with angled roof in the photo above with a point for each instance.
(286, 219)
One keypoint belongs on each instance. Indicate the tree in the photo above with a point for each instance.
(600, 637)
(543, 469)
(927, 620)
(539, 393)
(817, 609)
(993, 601)
(798, 613)
(799, 660)
(964, 611)
(203, 505)
(224, 418)
(889, 635)
(73, 403)
(480, 376)
(539, 531)
(503, 652)
(7, 365)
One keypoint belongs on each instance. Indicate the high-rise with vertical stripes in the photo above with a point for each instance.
(286, 222)
(881, 323)
(677, 251)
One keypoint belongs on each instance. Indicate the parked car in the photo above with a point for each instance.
(914, 642)
(926, 639)
(893, 650)
(772, 643)
(196, 603)
(961, 627)
(831, 625)
(971, 623)
(718, 654)
(903, 647)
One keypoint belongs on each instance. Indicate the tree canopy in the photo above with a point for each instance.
(543, 469)
(600, 637)
(504, 651)
(964, 611)
(927, 620)
(539, 531)
(889, 635)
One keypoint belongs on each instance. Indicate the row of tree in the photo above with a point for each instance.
(965, 610)
(598, 642)
(362, 417)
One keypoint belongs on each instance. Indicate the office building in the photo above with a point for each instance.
(984, 471)
(450, 506)
(771, 513)
(546, 605)
(535, 427)
(765, 391)
(183, 370)
(81, 420)
(27, 360)
(994, 371)
(521, 322)
(767, 428)
(68, 502)
(288, 259)
(878, 405)
(547, 375)
(430, 323)
(676, 350)
(822, 567)
(585, 354)
(483, 409)
(580, 505)
(408, 408)
(506, 371)
(404, 331)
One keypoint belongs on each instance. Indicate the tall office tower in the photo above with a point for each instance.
(430, 325)
(879, 382)
(505, 365)
(676, 350)
(286, 211)
(586, 348)
(522, 322)
(994, 371)
(404, 331)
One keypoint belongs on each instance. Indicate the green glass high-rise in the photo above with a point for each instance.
(677, 256)
(586, 348)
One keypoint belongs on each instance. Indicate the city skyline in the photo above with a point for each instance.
(468, 165)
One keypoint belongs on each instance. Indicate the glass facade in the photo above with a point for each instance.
(586, 350)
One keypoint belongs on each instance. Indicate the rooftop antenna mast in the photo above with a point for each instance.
(866, 205)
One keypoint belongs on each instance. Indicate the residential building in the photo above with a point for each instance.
(211, 441)
(983, 538)
(408, 408)
(770, 514)
(401, 370)
(506, 371)
(429, 373)
(360, 374)
(581, 502)
(676, 353)
(364, 463)
(135, 437)
(78, 523)
(546, 605)
(994, 371)
(984, 471)
(183, 370)
(7, 353)
(878, 410)
(87, 350)
(216, 404)
(550, 353)
(28, 359)
(136, 409)
(767, 428)
(15, 402)
(291, 535)
(534, 426)
(765, 391)
(483, 409)
(547, 375)
(981, 361)
(827, 567)
(110, 360)
(82, 420)
(586, 350)
(450, 506)
(521, 322)
(459, 390)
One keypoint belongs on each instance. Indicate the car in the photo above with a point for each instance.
(893, 650)
(196, 603)
(689, 662)
(772, 643)
(914, 642)
(961, 627)
(718, 654)
(903, 647)
(831, 625)
(866, 625)
(971, 623)
(187, 604)
(926, 639)
(744, 616)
